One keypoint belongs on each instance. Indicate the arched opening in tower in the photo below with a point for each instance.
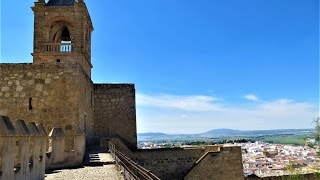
(65, 41)
(60, 35)
(63, 36)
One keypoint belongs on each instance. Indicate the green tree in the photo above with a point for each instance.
(316, 133)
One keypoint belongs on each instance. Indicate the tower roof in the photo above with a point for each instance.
(61, 3)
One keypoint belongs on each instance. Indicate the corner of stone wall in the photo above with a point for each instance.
(224, 164)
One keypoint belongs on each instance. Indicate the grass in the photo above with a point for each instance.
(285, 140)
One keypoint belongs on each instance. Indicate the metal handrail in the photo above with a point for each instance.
(131, 169)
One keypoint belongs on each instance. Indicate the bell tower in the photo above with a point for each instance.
(62, 33)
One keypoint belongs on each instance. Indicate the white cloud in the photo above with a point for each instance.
(251, 97)
(198, 113)
(187, 103)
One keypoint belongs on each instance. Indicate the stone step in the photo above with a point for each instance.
(98, 157)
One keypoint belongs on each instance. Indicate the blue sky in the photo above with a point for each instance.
(198, 65)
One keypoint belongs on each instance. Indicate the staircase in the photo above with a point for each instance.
(96, 156)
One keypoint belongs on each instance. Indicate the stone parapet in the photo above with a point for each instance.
(224, 164)
(207, 162)
(59, 156)
(21, 155)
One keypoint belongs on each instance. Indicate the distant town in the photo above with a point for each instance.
(294, 155)
(264, 159)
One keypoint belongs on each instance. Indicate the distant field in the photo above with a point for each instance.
(284, 140)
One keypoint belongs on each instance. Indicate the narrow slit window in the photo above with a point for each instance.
(30, 103)
(91, 99)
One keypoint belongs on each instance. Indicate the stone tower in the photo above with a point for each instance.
(56, 89)
(62, 33)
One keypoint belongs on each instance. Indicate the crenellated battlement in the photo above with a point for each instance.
(26, 151)
(62, 154)
(22, 150)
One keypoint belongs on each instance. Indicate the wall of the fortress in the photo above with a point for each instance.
(115, 111)
(168, 163)
(182, 163)
(86, 105)
(223, 165)
(53, 94)
(207, 162)
(64, 58)
(20, 144)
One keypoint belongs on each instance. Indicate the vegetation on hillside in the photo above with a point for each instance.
(316, 134)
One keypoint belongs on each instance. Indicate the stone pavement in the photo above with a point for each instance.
(100, 166)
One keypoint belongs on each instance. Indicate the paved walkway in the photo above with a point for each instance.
(100, 167)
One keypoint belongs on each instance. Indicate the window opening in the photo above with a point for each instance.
(30, 103)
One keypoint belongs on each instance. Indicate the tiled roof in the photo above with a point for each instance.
(61, 2)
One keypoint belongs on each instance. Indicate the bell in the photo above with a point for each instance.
(65, 35)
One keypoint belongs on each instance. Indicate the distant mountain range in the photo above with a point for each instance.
(152, 134)
(232, 132)
(222, 133)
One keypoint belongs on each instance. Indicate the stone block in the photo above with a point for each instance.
(5, 89)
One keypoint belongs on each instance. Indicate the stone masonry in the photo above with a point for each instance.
(51, 94)
(111, 100)
(62, 33)
(56, 91)
(216, 162)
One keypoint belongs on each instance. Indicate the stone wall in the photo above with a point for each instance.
(115, 112)
(220, 165)
(53, 94)
(58, 156)
(22, 150)
(86, 106)
(168, 163)
(63, 95)
(208, 162)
